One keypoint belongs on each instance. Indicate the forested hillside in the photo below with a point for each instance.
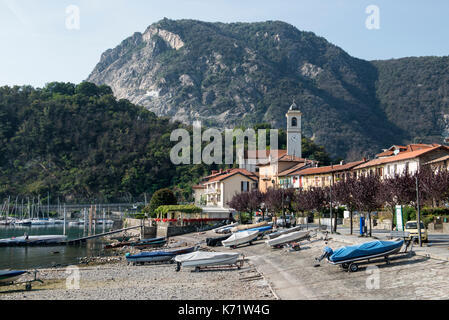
(79, 143)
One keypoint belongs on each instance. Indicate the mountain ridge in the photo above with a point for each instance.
(232, 74)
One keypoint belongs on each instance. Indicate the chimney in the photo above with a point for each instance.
(342, 162)
(214, 171)
(364, 159)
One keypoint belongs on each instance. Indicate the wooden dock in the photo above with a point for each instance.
(82, 240)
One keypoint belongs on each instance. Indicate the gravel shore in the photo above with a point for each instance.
(114, 279)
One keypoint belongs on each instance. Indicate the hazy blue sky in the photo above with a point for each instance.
(36, 47)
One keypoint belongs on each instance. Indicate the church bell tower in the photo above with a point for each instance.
(294, 132)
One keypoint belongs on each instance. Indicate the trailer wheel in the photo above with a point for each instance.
(197, 269)
(353, 267)
(28, 287)
(345, 266)
(178, 267)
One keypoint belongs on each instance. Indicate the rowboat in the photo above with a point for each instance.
(287, 238)
(260, 229)
(240, 238)
(225, 229)
(150, 243)
(204, 259)
(9, 276)
(33, 240)
(348, 256)
(157, 256)
(282, 232)
(24, 222)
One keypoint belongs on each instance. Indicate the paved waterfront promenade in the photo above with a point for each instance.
(293, 276)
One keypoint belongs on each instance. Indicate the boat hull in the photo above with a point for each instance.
(240, 238)
(160, 256)
(365, 251)
(7, 276)
(33, 240)
(282, 232)
(287, 238)
(204, 259)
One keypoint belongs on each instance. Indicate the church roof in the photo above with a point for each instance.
(294, 107)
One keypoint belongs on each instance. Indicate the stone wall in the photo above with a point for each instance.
(148, 231)
(164, 229)
(438, 227)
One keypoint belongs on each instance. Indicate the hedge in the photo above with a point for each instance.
(179, 208)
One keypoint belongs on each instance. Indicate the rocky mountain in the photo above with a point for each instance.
(247, 73)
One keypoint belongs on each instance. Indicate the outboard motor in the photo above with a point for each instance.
(327, 253)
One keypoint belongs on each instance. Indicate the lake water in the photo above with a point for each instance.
(48, 256)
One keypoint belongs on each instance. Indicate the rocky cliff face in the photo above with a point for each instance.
(247, 73)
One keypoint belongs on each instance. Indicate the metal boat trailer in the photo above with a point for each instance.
(294, 245)
(28, 284)
(352, 265)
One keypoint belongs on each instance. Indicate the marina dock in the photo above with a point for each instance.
(84, 239)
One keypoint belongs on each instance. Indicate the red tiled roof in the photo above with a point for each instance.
(199, 187)
(330, 169)
(438, 160)
(231, 172)
(401, 156)
(294, 170)
(385, 154)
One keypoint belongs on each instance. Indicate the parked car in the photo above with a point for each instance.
(412, 228)
(290, 220)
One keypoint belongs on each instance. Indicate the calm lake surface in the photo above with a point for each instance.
(48, 256)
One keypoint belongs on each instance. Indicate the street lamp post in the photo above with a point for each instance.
(419, 211)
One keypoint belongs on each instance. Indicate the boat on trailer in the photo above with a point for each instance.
(288, 238)
(348, 257)
(240, 238)
(158, 256)
(226, 228)
(282, 232)
(9, 276)
(202, 259)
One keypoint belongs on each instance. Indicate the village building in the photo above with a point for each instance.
(216, 190)
(439, 163)
(405, 159)
(308, 177)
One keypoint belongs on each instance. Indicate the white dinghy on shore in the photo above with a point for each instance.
(282, 232)
(201, 259)
(288, 238)
(240, 238)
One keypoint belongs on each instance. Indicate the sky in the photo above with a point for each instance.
(60, 40)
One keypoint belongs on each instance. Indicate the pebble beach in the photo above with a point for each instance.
(111, 278)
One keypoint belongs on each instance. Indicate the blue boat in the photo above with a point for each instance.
(260, 229)
(347, 256)
(9, 276)
(157, 256)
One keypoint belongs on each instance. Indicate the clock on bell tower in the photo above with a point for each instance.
(294, 132)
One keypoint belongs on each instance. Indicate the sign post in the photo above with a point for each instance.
(399, 218)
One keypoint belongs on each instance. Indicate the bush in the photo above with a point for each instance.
(435, 211)
(246, 218)
(163, 197)
(183, 208)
